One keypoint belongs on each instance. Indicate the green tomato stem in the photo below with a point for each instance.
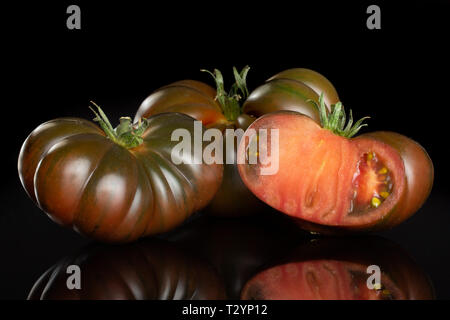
(125, 134)
(230, 101)
(335, 120)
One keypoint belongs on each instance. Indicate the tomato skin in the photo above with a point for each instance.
(190, 97)
(316, 183)
(345, 261)
(312, 79)
(41, 139)
(84, 180)
(145, 270)
(197, 100)
(290, 90)
(419, 172)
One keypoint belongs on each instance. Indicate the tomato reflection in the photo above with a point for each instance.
(337, 269)
(149, 269)
(247, 258)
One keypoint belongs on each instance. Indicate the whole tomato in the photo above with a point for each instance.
(294, 90)
(331, 181)
(288, 90)
(115, 185)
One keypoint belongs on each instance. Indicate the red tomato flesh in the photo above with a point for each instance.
(322, 177)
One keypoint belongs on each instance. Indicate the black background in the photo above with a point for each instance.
(398, 75)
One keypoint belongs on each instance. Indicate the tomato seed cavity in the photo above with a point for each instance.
(372, 184)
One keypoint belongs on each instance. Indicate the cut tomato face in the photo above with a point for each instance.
(332, 180)
(373, 183)
(378, 178)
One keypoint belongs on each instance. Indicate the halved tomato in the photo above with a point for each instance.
(374, 181)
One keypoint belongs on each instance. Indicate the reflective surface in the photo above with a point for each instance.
(342, 268)
(149, 269)
(211, 258)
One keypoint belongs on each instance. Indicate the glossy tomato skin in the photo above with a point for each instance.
(312, 79)
(303, 175)
(145, 270)
(190, 97)
(290, 90)
(83, 180)
(197, 100)
(343, 264)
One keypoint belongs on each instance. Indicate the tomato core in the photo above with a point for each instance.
(372, 184)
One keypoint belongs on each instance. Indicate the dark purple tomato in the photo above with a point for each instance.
(115, 188)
